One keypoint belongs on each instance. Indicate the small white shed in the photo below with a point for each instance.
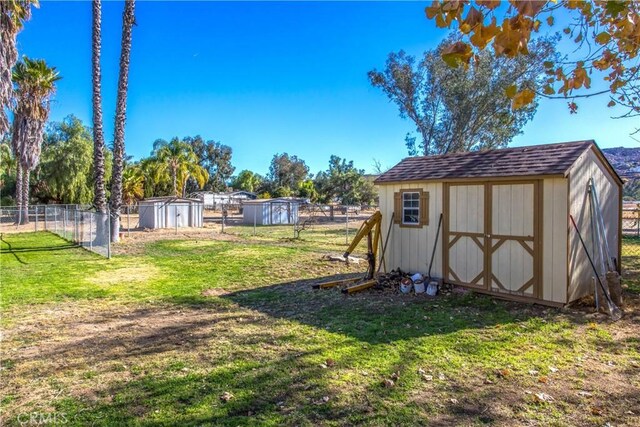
(280, 211)
(505, 228)
(213, 200)
(170, 212)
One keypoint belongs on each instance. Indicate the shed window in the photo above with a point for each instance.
(411, 208)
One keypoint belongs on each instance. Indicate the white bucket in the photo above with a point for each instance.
(405, 286)
(432, 289)
(418, 287)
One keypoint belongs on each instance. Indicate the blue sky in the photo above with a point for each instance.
(265, 78)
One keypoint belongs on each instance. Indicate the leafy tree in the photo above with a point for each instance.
(307, 189)
(7, 166)
(177, 162)
(66, 173)
(460, 109)
(13, 14)
(285, 174)
(128, 19)
(247, 181)
(606, 35)
(216, 159)
(343, 183)
(35, 84)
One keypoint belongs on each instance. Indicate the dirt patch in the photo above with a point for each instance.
(214, 292)
(134, 243)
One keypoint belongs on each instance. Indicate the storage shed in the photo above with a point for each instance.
(170, 212)
(281, 211)
(213, 200)
(506, 228)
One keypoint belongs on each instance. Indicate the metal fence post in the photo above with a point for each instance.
(255, 210)
(91, 232)
(36, 207)
(128, 220)
(55, 220)
(347, 226)
(75, 226)
(109, 234)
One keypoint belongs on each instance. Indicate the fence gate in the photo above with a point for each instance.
(491, 236)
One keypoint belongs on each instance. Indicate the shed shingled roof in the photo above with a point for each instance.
(548, 159)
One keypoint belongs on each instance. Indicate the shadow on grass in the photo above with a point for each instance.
(180, 358)
(379, 317)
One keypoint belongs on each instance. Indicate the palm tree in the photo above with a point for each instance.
(128, 19)
(99, 194)
(177, 161)
(35, 83)
(13, 14)
(132, 184)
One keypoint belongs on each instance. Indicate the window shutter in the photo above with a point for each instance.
(424, 208)
(397, 208)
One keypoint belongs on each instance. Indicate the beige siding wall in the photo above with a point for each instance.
(554, 239)
(410, 248)
(580, 271)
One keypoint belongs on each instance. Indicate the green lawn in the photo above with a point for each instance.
(157, 335)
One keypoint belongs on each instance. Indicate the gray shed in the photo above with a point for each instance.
(170, 212)
(281, 211)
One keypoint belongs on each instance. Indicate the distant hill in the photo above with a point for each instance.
(626, 161)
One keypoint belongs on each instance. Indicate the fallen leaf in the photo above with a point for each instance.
(421, 371)
(596, 411)
(389, 383)
(441, 377)
(552, 369)
(533, 372)
(427, 377)
(543, 380)
(504, 373)
(584, 393)
(454, 401)
(543, 397)
(330, 362)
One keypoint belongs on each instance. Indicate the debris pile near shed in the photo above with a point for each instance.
(390, 282)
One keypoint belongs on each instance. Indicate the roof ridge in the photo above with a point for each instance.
(529, 160)
(524, 147)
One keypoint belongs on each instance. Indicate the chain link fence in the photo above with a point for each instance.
(88, 229)
(630, 261)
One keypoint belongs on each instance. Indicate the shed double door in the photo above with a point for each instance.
(491, 237)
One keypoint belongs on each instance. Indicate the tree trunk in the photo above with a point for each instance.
(128, 19)
(19, 192)
(174, 176)
(26, 175)
(99, 197)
